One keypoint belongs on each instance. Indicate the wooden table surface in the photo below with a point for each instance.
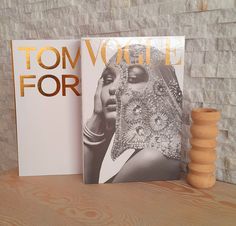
(65, 200)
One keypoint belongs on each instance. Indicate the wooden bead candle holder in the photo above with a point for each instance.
(202, 154)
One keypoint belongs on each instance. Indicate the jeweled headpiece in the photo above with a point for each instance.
(149, 117)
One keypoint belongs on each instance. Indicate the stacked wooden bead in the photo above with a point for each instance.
(203, 154)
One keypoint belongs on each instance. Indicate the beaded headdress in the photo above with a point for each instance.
(149, 117)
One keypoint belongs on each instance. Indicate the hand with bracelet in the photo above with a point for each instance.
(94, 128)
(97, 135)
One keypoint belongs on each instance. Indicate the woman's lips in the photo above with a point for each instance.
(111, 105)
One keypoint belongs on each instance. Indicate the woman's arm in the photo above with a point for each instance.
(95, 145)
(93, 157)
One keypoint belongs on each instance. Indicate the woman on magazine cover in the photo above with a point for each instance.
(134, 132)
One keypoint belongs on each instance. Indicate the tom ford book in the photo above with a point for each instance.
(132, 108)
(48, 106)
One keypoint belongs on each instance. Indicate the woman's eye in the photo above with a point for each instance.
(137, 75)
(107, 79)
(108, 76)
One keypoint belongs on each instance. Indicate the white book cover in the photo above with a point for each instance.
(132, 108)
(48, 106)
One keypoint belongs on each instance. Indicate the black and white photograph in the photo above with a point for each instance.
(133, 129)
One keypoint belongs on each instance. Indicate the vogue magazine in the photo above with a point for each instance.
(132, 108)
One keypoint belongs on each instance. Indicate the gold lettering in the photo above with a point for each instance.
(23, 85)
(179, 61)
(92, 56)
(168, 51)
(104, 52)
(122, 53)
(140, 59)
(148, 52)
(66, 53)
(126, 53)
(39, 55)
(72, 86)
(119, 52)
(58, 85)
(27, 54)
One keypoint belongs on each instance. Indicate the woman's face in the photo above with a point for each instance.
(136, 80)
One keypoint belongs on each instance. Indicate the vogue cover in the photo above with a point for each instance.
(132, 108)
(48, 106)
